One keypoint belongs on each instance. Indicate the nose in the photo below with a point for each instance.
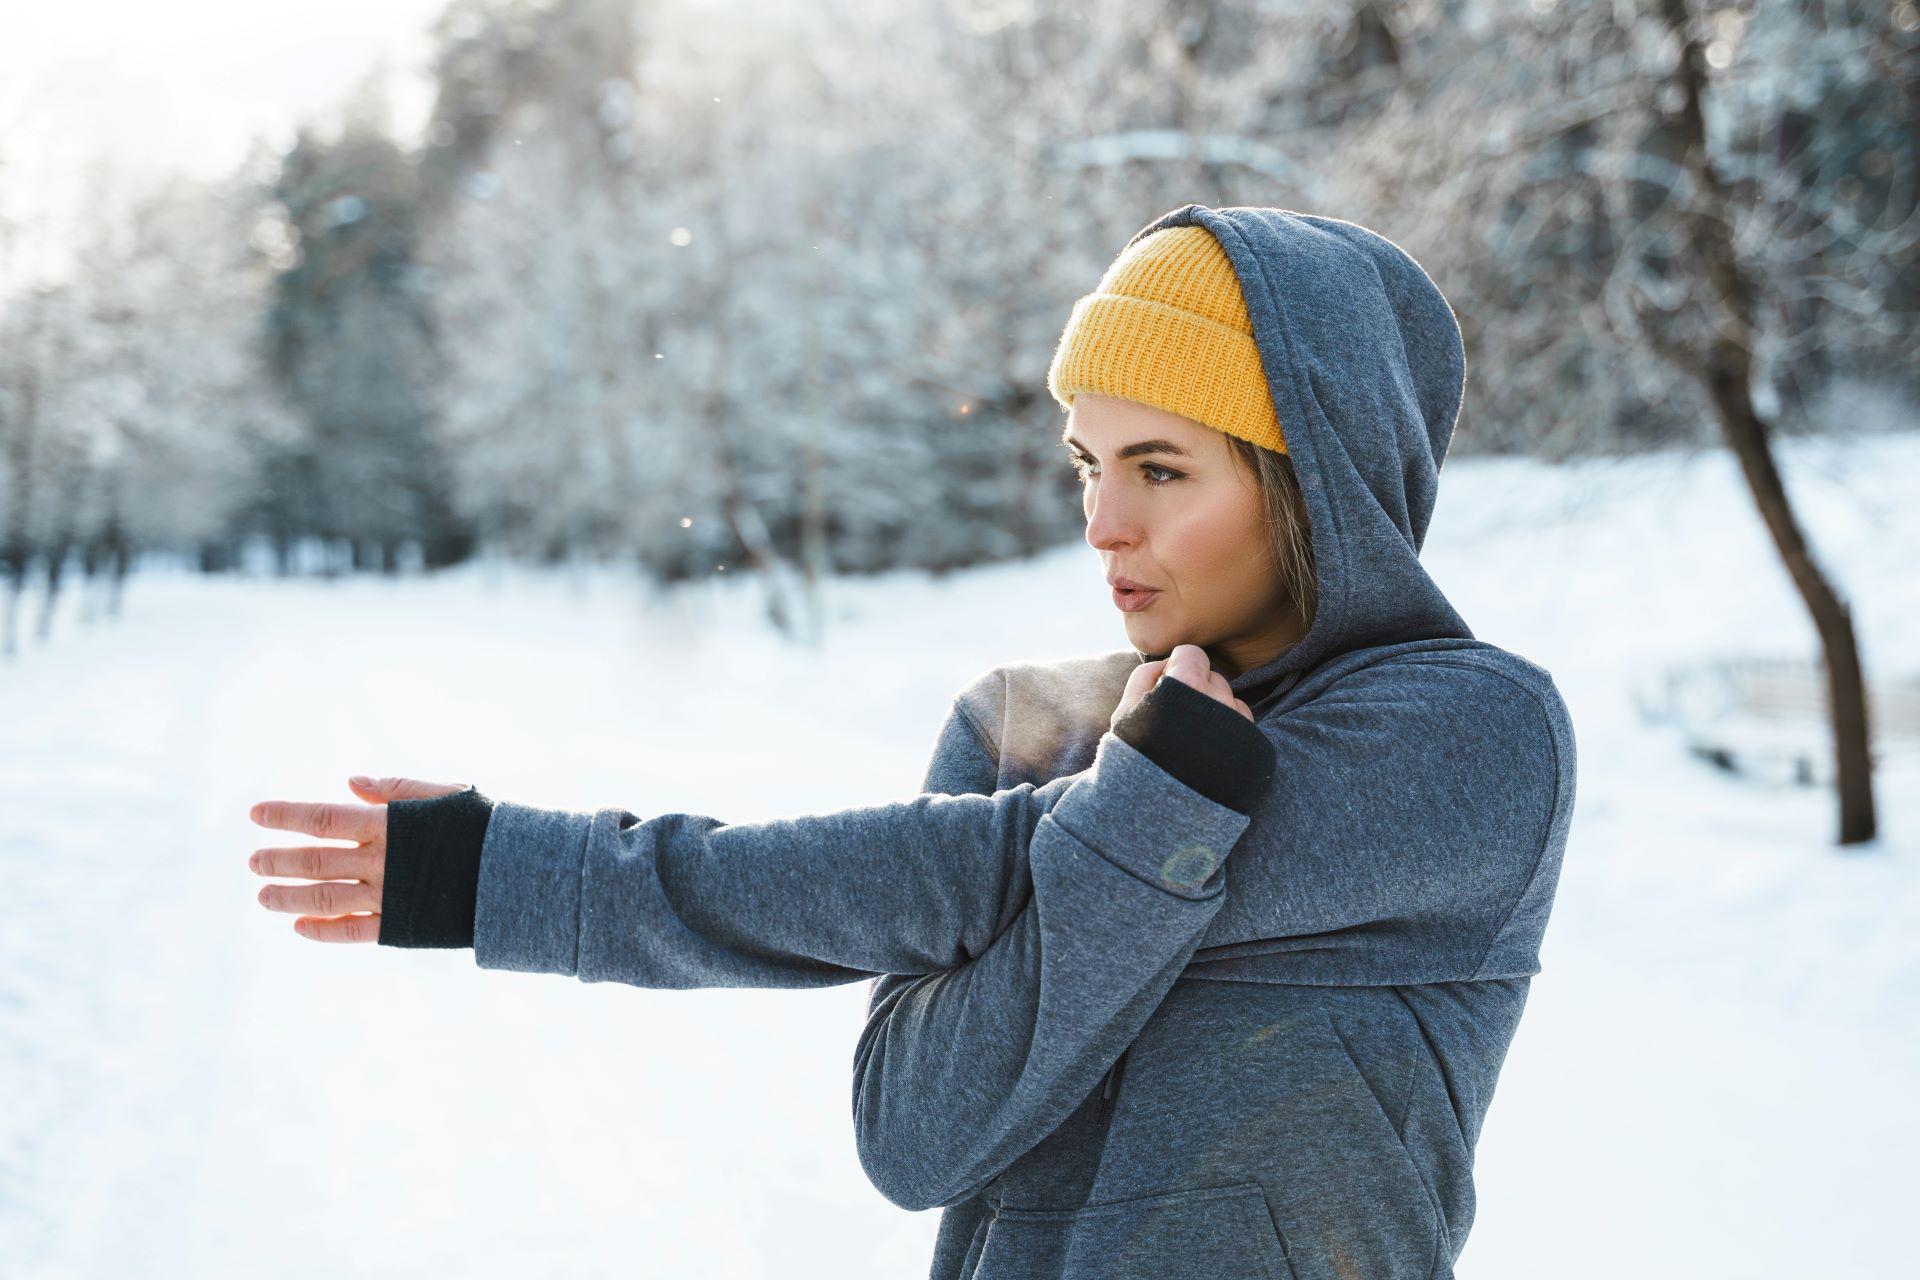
(1111, 520)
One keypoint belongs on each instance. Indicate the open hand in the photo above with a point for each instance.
(351, 878)
(1187, 663)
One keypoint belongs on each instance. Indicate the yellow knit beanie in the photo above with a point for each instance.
(1167, 326)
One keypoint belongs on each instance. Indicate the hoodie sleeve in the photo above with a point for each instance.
(1412, 833)
(959, 1073)
(1131, 854)
(1399, 839)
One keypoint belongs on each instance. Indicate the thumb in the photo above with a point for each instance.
(1188, 663)
(381, 790)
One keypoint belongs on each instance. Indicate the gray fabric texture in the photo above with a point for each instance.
(1311, 1003)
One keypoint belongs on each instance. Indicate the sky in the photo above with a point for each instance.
(184, 87)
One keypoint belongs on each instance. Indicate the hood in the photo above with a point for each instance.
(1365, 362)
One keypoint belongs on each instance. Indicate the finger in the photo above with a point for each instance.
(1139, 681)
(1188, 663)
(1221, 689)
(339, 928)
(381, 790)
(328, 821)
(1143, 678)
(319, 862)
(328, 898)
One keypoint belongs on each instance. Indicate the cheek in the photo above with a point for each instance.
(1216, 553)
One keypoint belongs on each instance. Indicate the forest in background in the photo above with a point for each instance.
(773, 287)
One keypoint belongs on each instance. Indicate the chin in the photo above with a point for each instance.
(1155, 638)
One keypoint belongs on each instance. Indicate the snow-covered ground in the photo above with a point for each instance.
(1715, 1077)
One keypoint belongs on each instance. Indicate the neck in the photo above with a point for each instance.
(1238, 654)
(1244, 653)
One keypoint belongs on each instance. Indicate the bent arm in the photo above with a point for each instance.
(959, 1073)
(1393, 828)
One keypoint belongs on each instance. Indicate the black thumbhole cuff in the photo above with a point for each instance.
(1201, 741)
(433, 869)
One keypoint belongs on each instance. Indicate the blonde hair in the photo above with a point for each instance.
(1289, 532)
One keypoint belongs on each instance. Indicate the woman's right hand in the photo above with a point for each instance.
(345, 905)
(1188, 663)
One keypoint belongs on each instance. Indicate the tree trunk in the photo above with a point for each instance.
(1728, 378)
(16, 542)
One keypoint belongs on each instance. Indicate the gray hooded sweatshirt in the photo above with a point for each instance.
(1119, 1029)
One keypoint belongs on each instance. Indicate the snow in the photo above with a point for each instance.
(1714, 1076)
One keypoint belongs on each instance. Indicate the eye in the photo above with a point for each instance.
(1156, 474)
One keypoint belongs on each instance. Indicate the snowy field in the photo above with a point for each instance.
(1715, 1077)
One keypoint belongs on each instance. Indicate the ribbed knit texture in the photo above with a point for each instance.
(1201, 741)
(1168, 326)
(433, 869)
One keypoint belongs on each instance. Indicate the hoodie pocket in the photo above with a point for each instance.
(1207, 1233)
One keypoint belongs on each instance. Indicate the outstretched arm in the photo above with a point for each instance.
(686, 900)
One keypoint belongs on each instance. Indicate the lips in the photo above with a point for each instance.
(1135, 599)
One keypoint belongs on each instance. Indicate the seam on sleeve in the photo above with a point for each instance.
(580, 893)
(985, 740)
(1553, 807)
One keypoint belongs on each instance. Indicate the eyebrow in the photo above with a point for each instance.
(1137, 448)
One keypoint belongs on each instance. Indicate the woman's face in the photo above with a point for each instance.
(1168, 506)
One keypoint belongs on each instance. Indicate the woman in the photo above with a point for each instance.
(1207, 976)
